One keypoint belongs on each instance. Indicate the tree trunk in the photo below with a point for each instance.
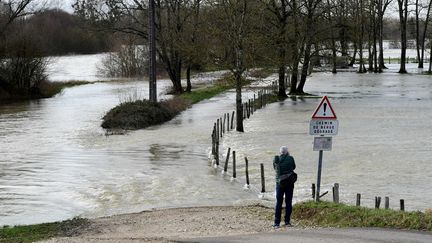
(282, 88)
(174, 72)
(361, 22)
(294, 77)
(239, 105)
(282, 65)
(417, 35)
(381, 64)
(304, 71)
(188, 79)
(403, 14)
(353, 59)
(370, 37)
(423, 39)
(430, 57)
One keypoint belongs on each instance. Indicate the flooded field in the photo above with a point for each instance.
(56, 162)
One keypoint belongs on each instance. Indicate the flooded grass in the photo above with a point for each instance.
(140, 114)
(45, 90)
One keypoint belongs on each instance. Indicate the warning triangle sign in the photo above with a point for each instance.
(324, 110)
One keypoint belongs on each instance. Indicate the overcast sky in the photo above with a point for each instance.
(62, 4)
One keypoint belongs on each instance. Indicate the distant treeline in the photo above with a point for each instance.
(28, 36)
(56, 32)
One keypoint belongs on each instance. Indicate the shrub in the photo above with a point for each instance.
(137, 114)
(128, 61)
(22, 69)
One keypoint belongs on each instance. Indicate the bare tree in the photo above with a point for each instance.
(235, 35)
(279, 10)
(130, 17)
(10, 10)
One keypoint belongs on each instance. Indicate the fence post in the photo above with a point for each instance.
(223, 126)
(402, 205)
(336, 193)
(228, 122)
(250, 107)
(387, 203)
(217, 152)
(358, 199)
(227, 159)
(234, 164)
(313, 191)
(262, 178)
(217, 129)
(232, 120)
(377, 202)
(213, 143)
(247, 171)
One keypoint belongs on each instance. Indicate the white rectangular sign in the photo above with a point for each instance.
(323, 127)
(322, 143)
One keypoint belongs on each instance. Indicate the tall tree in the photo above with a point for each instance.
(279, 10)
(234, 32)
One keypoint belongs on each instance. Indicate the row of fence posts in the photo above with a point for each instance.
(335, 190)
(226, 123)
(408, 59)
(234, 169)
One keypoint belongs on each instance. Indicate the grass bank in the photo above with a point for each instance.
(32, 233)
(44, 90)
(327, 214)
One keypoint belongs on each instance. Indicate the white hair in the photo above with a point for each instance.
(284, 150)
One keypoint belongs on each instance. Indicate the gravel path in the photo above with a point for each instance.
(224, 224)
(178, 224)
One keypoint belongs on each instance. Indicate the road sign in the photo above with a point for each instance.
(324, 122)
(323, 127)
(324, 110)
(322, 143)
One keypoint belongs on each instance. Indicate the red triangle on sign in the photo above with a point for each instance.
(324, 110)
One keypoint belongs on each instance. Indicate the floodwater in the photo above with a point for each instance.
(383, 145)
(56, 162)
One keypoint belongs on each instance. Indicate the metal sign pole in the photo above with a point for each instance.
(317, 197)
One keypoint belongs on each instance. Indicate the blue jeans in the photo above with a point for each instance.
(280, 192)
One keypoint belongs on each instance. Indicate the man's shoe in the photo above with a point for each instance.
(288, 225)
(276, 226)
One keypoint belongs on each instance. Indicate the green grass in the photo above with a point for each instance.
(327, 214)
(32, 233)
(204, 93)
